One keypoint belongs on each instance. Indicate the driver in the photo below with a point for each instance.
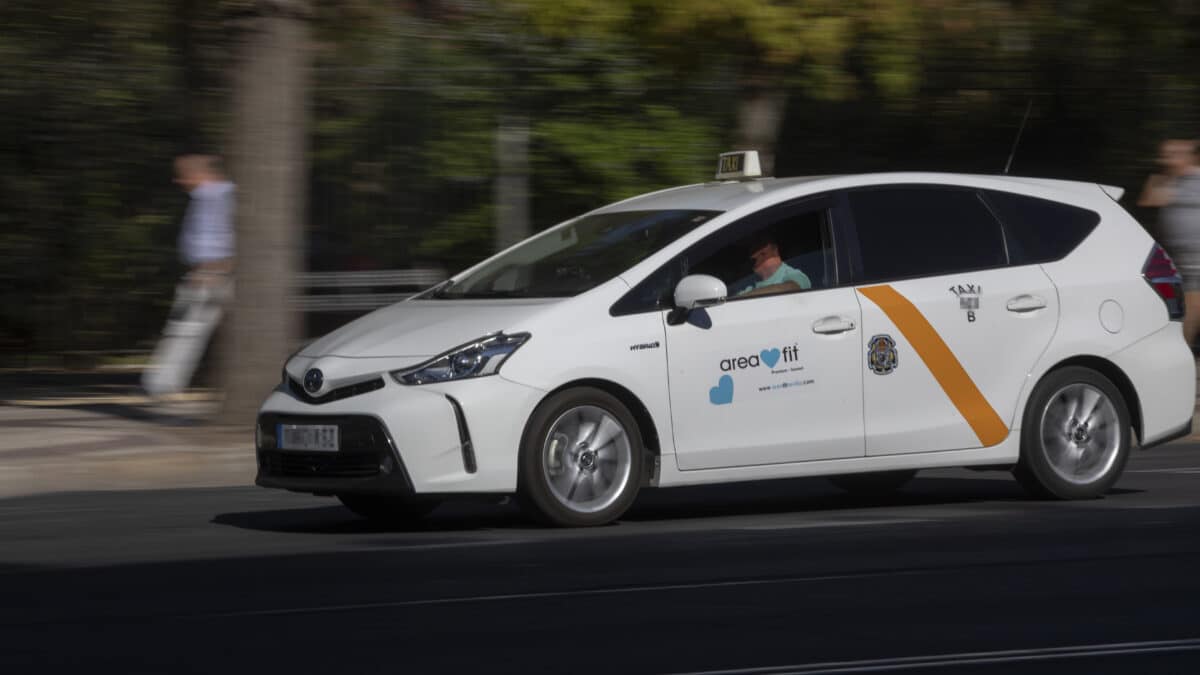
(774, 275)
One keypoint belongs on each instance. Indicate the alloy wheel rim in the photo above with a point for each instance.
(586, 459)
(1080, 433)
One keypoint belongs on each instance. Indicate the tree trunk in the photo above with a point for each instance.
(760, 115)
(268, 141)
(512, 182)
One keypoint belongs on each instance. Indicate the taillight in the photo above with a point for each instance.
(1162, 275)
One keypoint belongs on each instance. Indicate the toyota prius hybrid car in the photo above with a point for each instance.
(860, 327)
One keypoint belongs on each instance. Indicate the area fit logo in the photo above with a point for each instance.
(722, 394)
(768, 357)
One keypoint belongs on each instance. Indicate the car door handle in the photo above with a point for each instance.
(1026, 303)
(832, 324)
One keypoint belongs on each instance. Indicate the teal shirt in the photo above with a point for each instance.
(785, 273)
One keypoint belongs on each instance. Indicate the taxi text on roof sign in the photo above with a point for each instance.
(738, 165)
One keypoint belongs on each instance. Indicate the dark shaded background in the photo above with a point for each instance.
(618, 97)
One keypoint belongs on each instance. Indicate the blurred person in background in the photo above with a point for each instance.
(1176, 191)
(206, 246)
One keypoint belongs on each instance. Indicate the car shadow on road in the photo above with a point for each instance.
(761, 498)
(803, 495)
(336, 519)
(811, 495)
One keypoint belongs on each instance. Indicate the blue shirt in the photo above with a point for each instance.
(784, 274)
(207, 233)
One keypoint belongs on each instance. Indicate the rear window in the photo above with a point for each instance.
(910, 231)
(1040, 230)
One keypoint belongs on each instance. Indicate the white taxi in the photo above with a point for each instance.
(860, 327)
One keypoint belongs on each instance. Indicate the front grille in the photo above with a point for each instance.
(338, 394)
(365, 449)
(318, 464)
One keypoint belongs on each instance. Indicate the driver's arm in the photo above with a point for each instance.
(785, 287)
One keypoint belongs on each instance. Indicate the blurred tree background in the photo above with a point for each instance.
(604, 99)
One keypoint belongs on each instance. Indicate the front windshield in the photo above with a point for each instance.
(575, 256)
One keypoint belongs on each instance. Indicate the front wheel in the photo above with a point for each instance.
(1075, 436)
(581, 459)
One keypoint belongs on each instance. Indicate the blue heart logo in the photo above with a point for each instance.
(723, 392)
(769, 357)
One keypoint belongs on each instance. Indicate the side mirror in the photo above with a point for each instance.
(699, 290)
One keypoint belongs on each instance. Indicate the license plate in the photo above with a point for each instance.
(313, 437)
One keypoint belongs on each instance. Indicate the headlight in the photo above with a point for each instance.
(475, 359)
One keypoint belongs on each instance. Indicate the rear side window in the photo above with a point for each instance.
(924, 231)
(1040, 230)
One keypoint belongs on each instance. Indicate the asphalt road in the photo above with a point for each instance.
(960, 572)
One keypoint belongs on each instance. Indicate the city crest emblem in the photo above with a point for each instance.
(881, 354)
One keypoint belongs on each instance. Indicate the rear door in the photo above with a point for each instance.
(951, 330)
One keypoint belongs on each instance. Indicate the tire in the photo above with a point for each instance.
(873, 484)
(581, 459)
(1065, 455)
(387, 510)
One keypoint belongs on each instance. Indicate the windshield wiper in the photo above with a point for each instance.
(482, 295)
(437, 291)
(501, 295)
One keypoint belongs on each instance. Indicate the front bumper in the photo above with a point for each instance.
(456, 437)
(366, 463)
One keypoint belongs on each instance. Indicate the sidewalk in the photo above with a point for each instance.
(96, 431)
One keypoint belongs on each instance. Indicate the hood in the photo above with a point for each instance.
(424, 328)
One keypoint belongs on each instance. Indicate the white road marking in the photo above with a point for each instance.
(541, 595)
(835, 523)
(1181, 469)
(459, 544)
(563, 594)
(967, 658)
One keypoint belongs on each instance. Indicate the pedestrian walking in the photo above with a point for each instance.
(1175, 190)
(206, 246)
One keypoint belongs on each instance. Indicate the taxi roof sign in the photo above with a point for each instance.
(738, 165)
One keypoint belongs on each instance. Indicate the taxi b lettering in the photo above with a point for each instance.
(968, 298)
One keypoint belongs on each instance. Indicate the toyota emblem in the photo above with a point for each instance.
(314, 379)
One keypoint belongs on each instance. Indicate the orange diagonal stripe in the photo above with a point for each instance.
(937, 356)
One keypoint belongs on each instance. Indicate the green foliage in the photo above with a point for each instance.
(585, 164)
(91, 109)
(620, 96)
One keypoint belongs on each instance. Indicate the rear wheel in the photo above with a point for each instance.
(581, 459)
(1075, 436)
(873, 484)
(389, 510)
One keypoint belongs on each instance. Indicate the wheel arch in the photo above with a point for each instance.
(1114, 374)
(647, 429)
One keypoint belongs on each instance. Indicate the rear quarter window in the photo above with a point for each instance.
(1040, 230)
(915, 230)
